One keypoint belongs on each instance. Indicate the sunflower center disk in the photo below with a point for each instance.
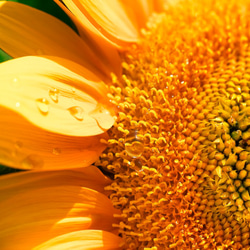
(180, 148)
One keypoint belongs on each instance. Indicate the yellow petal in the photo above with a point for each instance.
(108, 21)
(55, 98)
(26, 146)
(84, 240)
(28, 31)
(46, 109)
(37, 209)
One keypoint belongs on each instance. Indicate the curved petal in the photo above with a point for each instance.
(84, 240)
(28, 31)
(26, 146)
(106, 21)
(89, 177)
(138, 10)
(141, 10)
(48, 208)
(102, 47)
(55, 98)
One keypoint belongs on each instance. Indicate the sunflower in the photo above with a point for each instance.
(177, 158)
(54, 115)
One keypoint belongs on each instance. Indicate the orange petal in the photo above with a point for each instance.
(138, 10)
(106, 52)
(161, 5)
(89, 177)
(28, 31)
(38, 209)
(84, 240)
(55, 98)
(108, 21)
(50, 116)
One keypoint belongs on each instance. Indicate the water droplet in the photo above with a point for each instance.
(43, 105)
(53, 93)
(103, 117)
(238, 90)
(134, 145)
(32, 161)
(73, 89)
(18, 104)
(103, 123)
(76, 112)
(138, 165)
(56, 151)
(16, 82)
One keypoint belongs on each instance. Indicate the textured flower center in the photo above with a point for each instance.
(180, 148)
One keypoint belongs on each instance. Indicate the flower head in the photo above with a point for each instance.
(179, 148)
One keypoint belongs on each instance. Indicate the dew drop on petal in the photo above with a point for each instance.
(53, 93)
(56, 151)
(18, 104)
(76, 112)
(134, 145)
(102, 117)
(32, 162)
(43, 105)
(16, 82)
(103, 123)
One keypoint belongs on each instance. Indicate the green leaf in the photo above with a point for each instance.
(50, 7)
(4, 56)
